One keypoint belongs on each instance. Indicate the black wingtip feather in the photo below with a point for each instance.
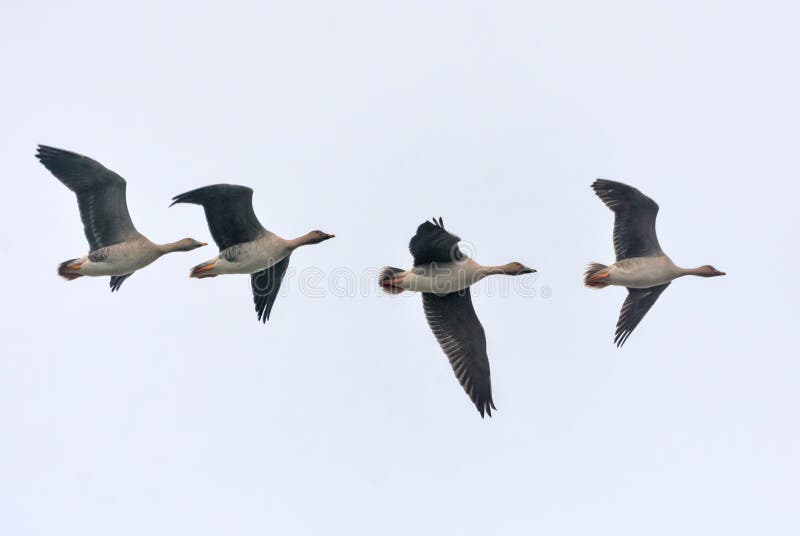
(485, 408)
(182, 198)
(194, 197)
(44, 152)
(117, 280)
(437, 222)
(211, 193)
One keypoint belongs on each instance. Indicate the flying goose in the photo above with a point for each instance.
(245, 246)
(443, 274)
(641, 265)
(116, 248)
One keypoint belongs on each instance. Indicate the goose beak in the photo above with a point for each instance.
(203, 244)
(330, 236)
(527, 270)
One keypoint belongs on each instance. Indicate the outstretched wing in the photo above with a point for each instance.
(117, 280)
(634, 219)
(229, 212)
(455, 325)
(266, 284)
(100, 193)
(636, 305)
(433, 244)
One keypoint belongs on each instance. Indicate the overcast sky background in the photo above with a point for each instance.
(168, 409)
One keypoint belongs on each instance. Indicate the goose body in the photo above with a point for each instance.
(443, 275)
(249, 257)
(245, 246)
(120, 259)
(641, 266)
(117, 249)
(441, 278)
(642, 272)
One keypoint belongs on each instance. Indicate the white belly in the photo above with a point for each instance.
(442, 278)
(642, 272)
(252, 257)
(245, 266)
(121, 259)
(127, 266)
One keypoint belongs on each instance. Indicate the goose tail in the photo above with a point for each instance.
(205, 269)
(595, 274)
(388, 279)
(69, 269)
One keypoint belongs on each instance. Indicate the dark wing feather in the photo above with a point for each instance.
(266, 284)
(634, 219)
(455, 325)
(433, 244)
(229, 212)
(117, 280)
(636, 305)
(100, 192)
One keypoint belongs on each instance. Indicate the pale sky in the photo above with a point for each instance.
(168, 409)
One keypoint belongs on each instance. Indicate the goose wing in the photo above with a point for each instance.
(456, 327)
(636, 305)
(433, 244)
(634, 219)
(229, 212)
(117, 280)
(100, 192)
(266, 284)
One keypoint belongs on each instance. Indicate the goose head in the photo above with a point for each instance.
(517, 268)
(707, 271)
(188, 244)
(315, 237)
